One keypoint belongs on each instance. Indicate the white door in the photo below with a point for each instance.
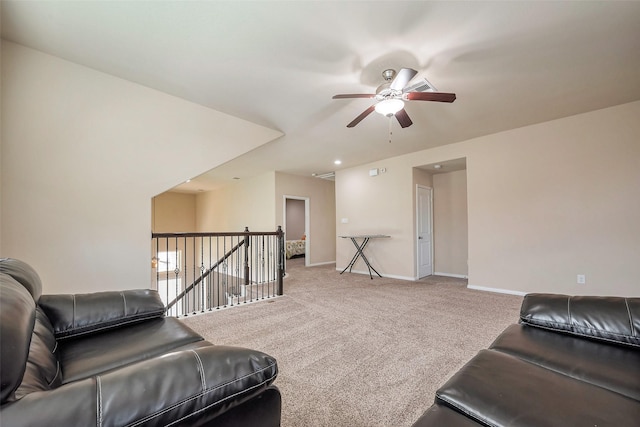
(424, 226)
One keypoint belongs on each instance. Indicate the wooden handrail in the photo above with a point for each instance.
(212, 234)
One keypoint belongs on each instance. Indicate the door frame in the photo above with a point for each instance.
(307, 246)
(417, 259)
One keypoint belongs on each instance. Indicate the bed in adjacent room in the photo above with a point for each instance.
(295, 248)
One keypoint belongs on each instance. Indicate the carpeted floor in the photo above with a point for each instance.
(357, 352)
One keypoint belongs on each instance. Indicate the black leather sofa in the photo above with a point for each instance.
(571, 361)
(114, 359)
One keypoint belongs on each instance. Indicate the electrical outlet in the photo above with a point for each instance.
(582, 279)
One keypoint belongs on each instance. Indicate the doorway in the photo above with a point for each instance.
(296, 228)
(446, 216)
(424, 228)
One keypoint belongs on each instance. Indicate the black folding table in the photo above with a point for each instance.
(360, 251)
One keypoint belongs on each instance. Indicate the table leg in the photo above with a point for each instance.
(364, 258)
(360, 254)
(355, 256)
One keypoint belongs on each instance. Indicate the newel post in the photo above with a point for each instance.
(280, 237)
(246, 257)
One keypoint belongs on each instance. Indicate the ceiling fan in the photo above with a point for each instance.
(392, 94)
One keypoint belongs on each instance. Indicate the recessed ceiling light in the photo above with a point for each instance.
(337, 162)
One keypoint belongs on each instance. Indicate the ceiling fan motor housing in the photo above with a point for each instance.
(384, 91)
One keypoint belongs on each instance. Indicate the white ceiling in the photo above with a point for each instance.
(278, 63)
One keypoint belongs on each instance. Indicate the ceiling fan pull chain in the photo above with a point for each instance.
(390, 132)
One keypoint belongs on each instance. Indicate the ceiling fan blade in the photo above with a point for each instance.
(430, 96)
(403, 118)
(354, 95)
(364, 114)
(403, 77)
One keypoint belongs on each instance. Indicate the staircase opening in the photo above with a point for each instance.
(199, 272)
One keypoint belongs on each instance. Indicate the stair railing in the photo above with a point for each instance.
(198, 272)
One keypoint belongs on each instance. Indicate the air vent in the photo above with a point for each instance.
(422, 85)
(327, 175)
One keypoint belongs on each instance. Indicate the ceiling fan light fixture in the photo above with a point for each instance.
(389, 107)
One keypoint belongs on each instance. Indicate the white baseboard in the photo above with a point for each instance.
(497, 290)
(315, 264)
(458, 276)
(373, 273)
(393, 276)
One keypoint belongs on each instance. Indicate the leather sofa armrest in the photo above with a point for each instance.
(182, 388)
(613, 319)
(73, 315)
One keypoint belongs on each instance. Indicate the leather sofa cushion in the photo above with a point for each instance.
(42, 370)
(183, 388)
(604, 318)
(73, 315)
(24, 274)
(214, 377)
(443, 416)
(611, 366)
(498, 389)
(17, 318)
(98, 353)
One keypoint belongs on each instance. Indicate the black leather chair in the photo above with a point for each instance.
(114, 359)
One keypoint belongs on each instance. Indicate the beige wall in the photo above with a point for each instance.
(242, 203)
(382, 204)
(1, 198)
(1, 133)
(555, 200)
(321, 245)
(295, 214)
(259, 204)
(450, 223)
(545, 203)
(422, 177)
(173, 212)
(81, 156)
